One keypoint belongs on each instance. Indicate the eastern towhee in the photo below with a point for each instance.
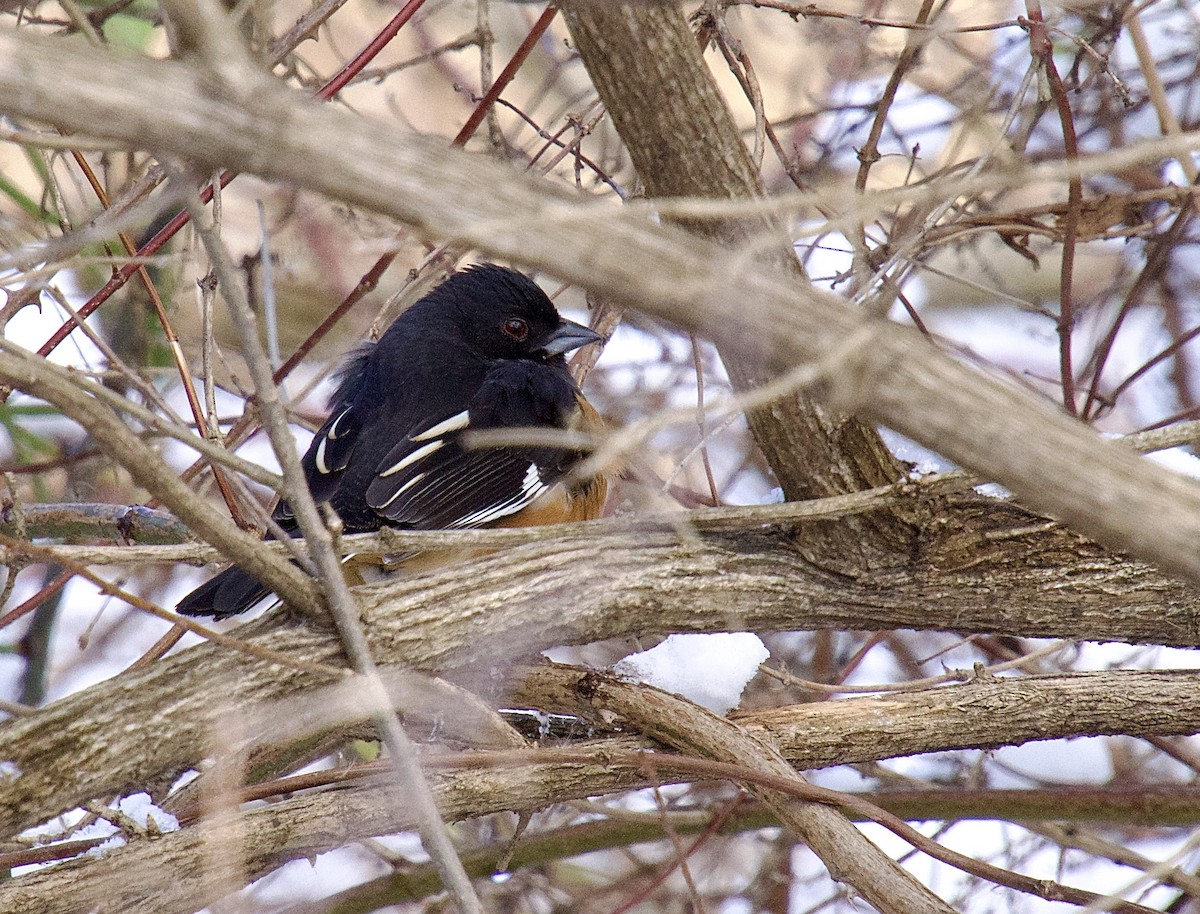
(484, 350)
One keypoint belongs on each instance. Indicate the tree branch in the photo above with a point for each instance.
(644, 62)
(159, 875)
(76, 399)
(892, 375)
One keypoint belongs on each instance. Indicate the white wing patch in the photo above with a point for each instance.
(453, 424)
(410, 459)
(531, 489)
(400, 491)
(331, 435)
(319, 458)
(333, 429)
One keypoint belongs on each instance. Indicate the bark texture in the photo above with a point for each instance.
(173, 874)
(954, 562)
(883, 373)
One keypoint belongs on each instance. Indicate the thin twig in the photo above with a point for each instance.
(339, 601)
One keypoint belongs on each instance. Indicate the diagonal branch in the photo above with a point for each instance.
(244, 119)
(155, 875)
(39, 378)
(848, 854)
(648, 68)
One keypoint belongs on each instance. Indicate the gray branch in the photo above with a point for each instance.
(241, 118)
(161, 876)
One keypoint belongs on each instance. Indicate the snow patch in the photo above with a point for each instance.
(710, 670)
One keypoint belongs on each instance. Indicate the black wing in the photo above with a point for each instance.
(329, 453)
(429, 480)
(229, 593)
(330, 450)
(233, 591)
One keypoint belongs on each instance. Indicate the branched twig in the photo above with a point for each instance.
(1041, 47)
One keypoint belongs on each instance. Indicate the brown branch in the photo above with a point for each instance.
(643, 60)
(893, 377)
(848, 854)
(15, 547)
(138, 525)
(154, 876)
(868, 155)
(1041, 47)
(118, 523)
(510, 606)
(75, 399)
(978, 713)
(1153, 806)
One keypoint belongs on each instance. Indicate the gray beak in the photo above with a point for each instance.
(568, 336)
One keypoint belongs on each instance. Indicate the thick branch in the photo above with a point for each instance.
(161, 876)
(884, 373)
(648, 69)
(980, 713)
(510, 605)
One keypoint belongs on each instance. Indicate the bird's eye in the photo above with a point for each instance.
(516, 328)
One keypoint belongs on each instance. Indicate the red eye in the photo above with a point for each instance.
(516, 328)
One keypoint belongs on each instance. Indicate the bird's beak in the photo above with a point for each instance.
(569, 335)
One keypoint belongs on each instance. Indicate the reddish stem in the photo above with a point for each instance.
(168, 231)
(36, 600)
(1157, 259)
(1042, 49)
(506, 76)
(370, 52)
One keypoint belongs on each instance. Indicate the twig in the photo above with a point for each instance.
(168, 328)
(107, 587)
(20, 359)
(1042, 50)
(506, 75)
(207, 31)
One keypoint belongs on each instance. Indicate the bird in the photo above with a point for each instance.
(484, 350)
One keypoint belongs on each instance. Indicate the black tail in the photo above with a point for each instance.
(229, 593)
